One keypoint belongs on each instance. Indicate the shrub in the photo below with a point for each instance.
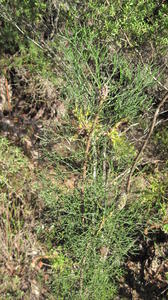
(94, 243)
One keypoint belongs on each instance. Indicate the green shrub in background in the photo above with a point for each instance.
(125, 22)
(19, 20)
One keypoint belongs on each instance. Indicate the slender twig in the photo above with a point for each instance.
(94, 159)
(128, 185)
(105, 164)
(161, 122)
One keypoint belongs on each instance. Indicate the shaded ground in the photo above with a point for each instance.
(146, 273)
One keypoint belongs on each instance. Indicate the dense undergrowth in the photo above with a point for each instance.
(86, 79)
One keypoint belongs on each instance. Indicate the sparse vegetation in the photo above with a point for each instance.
(85, 80)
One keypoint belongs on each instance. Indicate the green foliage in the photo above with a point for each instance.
(82, 270)
(12, 290)
(17, 18)
(89, 66)
(60, 262)
(125, 22)
(32, 10)
(35, 61)
(14, 166)
(124, 152)
(165, 228)
(88, 237)
(157, 192)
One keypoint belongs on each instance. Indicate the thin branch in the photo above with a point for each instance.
(105, 165)
(128, 185)
(94, 159)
